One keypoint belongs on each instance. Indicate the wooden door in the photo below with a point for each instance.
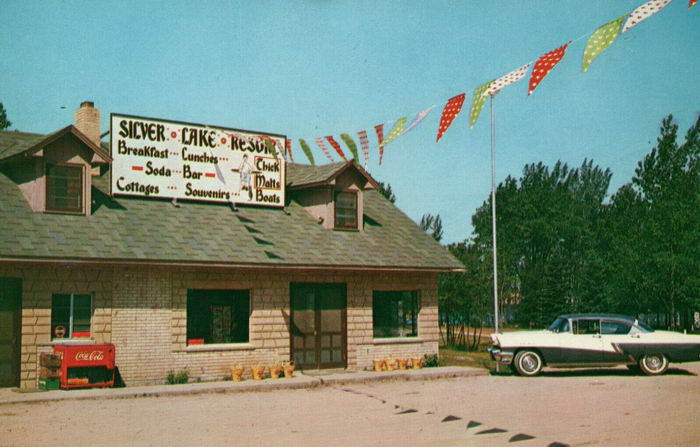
(10, 331)
(318, 325)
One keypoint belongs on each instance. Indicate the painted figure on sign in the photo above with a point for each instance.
(245, 170)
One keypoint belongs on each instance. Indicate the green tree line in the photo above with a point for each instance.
(566, 245)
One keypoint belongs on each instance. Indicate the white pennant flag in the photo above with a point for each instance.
(420, 117)
(510, 78)
(644, 12)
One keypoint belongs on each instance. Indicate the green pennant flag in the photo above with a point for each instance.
(270, 145)
(350, 143)
(601, 39)
(478, 102)
(307, 151)
(396, 130)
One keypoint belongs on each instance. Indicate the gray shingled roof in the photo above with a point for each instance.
(154, 231)
(13, 143)
(298, 175)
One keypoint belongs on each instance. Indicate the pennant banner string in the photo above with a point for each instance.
(599, 40)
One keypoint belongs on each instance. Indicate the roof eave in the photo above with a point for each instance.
(220, 264)
(335, 174)
(38, 146)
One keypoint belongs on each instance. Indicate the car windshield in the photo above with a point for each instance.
(560, 325)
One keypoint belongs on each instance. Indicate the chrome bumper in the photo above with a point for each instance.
(500, 356)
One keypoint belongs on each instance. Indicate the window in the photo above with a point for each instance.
(395, 314)
(71, 315)
(583, 327)
(64, 188)
(346, 210)
(217, 316)
(609, 327)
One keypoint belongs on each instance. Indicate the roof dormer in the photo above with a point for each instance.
(54, 171)
(332, 194)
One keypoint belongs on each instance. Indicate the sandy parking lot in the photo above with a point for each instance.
(577, 408)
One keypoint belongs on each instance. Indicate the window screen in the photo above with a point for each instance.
(395, 314)
(71, 315)
(346, 210)
(64, 188)
(217, 316)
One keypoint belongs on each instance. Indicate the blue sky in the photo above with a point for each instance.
(309, 69)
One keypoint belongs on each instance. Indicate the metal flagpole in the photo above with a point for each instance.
(493, 221)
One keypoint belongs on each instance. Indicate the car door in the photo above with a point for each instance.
(584, 344)
(614, 333)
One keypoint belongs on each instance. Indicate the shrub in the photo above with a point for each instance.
(179, 377)
(431, 361)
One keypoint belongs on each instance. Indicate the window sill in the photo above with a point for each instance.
(73, 341)
(393, 340)
(220, 347)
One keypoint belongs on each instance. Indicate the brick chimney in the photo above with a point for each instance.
(87, 120)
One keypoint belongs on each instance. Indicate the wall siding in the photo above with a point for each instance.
(143, 312)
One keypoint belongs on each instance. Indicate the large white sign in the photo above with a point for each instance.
(168, 159)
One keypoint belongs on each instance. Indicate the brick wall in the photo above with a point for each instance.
(143, 312)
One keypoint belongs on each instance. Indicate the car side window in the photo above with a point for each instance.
(616, 328)
(583, 327)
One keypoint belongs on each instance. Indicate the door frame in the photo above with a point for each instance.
(14, 285)
(317, 324)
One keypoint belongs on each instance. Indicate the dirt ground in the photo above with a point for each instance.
(575, 407)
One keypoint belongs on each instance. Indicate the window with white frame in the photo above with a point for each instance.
(71, 315)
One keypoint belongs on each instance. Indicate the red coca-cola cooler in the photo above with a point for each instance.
(86, 366)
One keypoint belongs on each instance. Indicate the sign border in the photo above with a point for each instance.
(255, 132)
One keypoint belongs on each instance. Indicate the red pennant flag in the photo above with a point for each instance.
(337, 147)
(288, 148)
(692, 2)
(322, 145)
(544, 65)
(364, 142)
(449, 113)
(379, 128)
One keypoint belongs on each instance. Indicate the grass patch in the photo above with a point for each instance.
(475, 359)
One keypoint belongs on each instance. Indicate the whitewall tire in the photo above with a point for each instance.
(528, 363)
(653, 364)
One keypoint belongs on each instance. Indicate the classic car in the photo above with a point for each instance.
(585, 340)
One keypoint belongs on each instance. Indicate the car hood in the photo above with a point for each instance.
(514, 338)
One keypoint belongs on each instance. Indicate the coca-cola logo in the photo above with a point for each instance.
(89, 356)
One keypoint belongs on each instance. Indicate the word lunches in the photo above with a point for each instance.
(167, 159)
